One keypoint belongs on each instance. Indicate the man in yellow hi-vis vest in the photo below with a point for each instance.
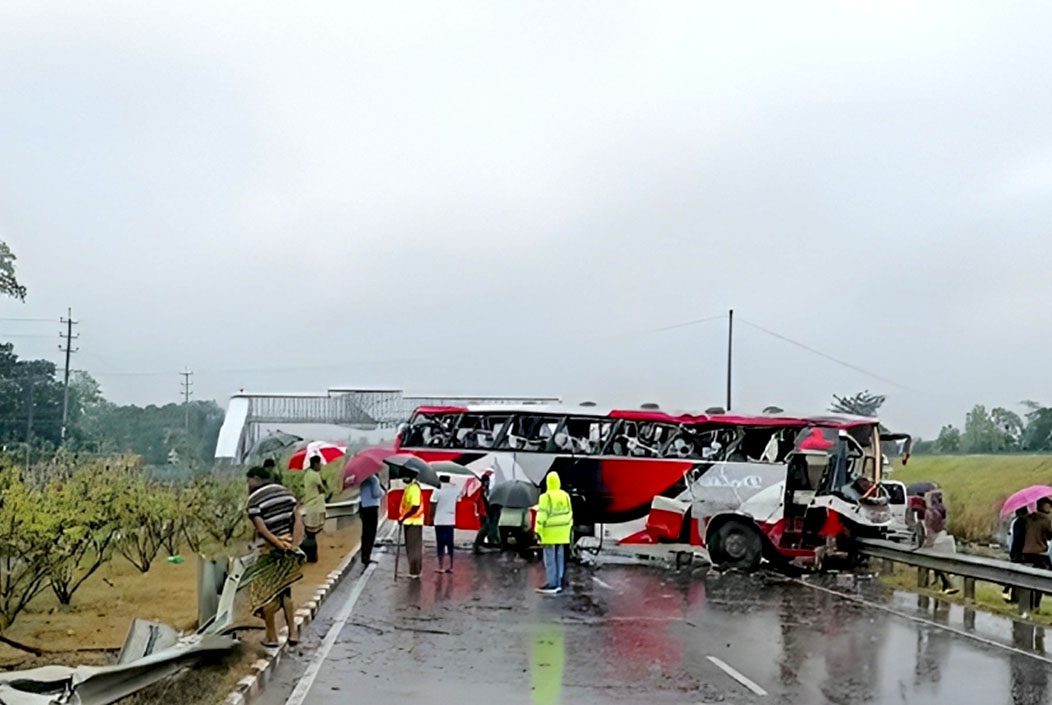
(554, 527)
(411, 516)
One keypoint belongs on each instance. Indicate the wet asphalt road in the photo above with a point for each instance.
(632, 634)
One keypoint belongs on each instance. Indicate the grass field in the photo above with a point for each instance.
(976, 485)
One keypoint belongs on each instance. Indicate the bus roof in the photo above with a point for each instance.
(656, 415)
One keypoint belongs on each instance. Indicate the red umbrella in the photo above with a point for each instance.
(365, 463)
(326, 451)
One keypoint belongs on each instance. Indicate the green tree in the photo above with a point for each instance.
(27, 532)
(89, 521)
(149, 514)
(949, 440)
(1010, 428)
(30, 400)
(9, 285)
(152, 432)
(861, 404)
(215, 514)
(1038, 433)
(980, 433)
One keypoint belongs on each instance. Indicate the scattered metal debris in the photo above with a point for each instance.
(151, 653)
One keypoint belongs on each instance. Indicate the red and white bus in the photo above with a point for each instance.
(768, 486)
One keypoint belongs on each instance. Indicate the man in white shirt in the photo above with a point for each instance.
(445, 500)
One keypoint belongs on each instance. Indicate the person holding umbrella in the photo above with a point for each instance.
(554, 526)
(1038, 530)
(313, 507)
(370, 496)
(411, 517)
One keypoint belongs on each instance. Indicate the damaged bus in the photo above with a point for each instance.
(783, 488)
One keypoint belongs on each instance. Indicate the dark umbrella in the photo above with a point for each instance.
(514, 494)
(405, 466)
(919, 489)
(274, 443)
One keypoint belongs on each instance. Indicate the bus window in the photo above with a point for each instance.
(532, 433)
(430, 431)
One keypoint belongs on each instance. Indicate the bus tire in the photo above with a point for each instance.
(736, 544)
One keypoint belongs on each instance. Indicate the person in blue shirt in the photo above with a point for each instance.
(371, 494)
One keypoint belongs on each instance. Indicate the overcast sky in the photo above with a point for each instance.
(508, 198)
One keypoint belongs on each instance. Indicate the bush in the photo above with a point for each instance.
(215, 515)
(150, 515)
(87, 508)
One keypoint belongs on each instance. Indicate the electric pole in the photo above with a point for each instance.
(187, 384)
(67, 347)
(730, 356)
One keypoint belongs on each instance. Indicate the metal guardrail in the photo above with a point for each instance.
(991, 570)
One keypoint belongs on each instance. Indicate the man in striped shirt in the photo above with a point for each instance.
(272, 508)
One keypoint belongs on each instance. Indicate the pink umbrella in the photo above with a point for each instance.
(1024, 498)
(365, 463)
(326, 451)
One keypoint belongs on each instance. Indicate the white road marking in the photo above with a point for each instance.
(601, 583)
(737, 675)
(299, 694)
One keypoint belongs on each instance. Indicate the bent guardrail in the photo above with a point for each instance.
(1023, 578)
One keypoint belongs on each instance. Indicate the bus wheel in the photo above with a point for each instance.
(736, 545)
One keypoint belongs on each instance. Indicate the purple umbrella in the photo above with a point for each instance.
(1024, 498)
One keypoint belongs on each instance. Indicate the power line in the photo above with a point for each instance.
(27, 320)
(685, 324)
(819, 353)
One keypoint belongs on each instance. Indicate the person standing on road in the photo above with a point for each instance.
(445, 501)
(370, 495)
(411, 516)
(1035, 543)
(313, 507)
(1016, 538)
(554, 526)
(273, 511)
(936, 536)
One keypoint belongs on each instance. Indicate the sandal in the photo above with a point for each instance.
(271, 645)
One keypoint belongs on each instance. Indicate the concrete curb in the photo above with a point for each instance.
(249, 688)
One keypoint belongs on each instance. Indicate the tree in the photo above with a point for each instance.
(154, 431)
(215, 513)
(861, 404)
(949, 440)
(87, 506)
(1038, 433)
(1009, 427)
(29, 388)
(27, 532)
(149, 516)
(980, 434)
(9, 285)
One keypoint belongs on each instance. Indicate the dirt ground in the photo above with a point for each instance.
(93, 629)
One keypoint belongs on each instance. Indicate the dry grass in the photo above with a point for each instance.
(976, 486)
(104, 608)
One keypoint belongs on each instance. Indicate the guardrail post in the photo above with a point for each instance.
(969, 589)
(888, 567)
(1023, 596)
(923, 576)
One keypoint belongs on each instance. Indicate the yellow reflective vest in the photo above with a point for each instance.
(554, 514)
(412, 498)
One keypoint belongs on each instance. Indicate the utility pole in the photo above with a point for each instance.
(730, 353)
(67, 347)
(31, 382)
(187, 384)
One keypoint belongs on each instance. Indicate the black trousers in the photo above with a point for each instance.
(368, 516)
(1037, 560)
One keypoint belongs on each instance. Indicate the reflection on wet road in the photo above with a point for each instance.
(638, 634)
